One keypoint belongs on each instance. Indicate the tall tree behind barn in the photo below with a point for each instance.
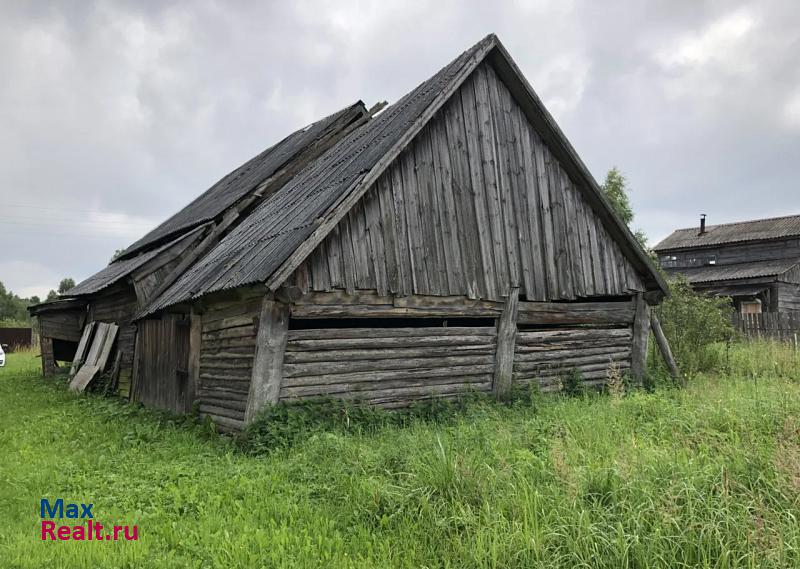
(455, 242)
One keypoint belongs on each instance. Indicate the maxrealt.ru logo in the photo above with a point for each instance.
(91, 531)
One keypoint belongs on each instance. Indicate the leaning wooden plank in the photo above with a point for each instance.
(504, 357)
(80, 353)
(641, 334)
(663, 346)
(95, 364)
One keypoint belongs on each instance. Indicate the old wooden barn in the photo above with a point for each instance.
(453, 242)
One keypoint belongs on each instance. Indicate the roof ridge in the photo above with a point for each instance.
(740, 222)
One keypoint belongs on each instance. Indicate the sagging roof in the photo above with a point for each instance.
(749, 270)
(755, 230)
(242, 180)
(276, 230)
(58, 305)
(121, 268)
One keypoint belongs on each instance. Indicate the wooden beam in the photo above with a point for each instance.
(576, 312)
(265, 383)
(195, 344)
(506, 336)
(641, 334)
(663, 346)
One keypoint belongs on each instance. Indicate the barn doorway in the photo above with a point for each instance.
(161, 364)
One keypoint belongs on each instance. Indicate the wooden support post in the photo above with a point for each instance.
(195, 340)
(641, 334)
(663, 346)
(265, 384)
(48, 363)
(506, 338)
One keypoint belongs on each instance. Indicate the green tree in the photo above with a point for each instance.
(616, 190)
(65, 285)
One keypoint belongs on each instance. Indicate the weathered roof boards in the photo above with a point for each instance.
(454, 242)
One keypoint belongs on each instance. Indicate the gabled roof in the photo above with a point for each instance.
(749, 270)
(738, 232)
(243, 180)
(283, 230)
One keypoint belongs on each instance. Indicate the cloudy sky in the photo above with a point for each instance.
(115, 114)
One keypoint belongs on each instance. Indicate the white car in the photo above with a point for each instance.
(2, 356)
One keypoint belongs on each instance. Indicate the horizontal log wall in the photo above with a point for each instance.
(476, 204)
(390, 367)
(227, 347)
(547, 357)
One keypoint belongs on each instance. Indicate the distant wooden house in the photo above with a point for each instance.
(756, 263)
(454, 242)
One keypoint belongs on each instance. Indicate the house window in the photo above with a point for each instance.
(750, 307)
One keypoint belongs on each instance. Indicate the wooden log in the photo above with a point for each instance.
(641, 333)
(216, 411)
(228, 322)
(504, 356)
(238, 405)
(225, 423)
(351, 366)
(454, 372)
(267, 373)
(391, 390)
(576, 312)
(573, 355)
(367, 354)
(536, 337)
(369, 334)
(663, 346)
(401, 342)
(554, 347)
(247, 331)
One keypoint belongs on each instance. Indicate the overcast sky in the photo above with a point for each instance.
(115, 115)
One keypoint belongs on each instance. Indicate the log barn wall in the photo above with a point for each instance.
(227, 349)
(476, 204)
(548, 357)
(389, 367)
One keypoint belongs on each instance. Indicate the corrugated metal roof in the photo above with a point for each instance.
(120, 268)
(242, 180)
(261, 243)
(735, 290)
(749, 270)
(756, 230)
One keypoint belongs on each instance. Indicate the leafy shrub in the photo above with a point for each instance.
(693, 323)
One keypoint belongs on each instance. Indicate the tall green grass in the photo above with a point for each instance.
(706, 476)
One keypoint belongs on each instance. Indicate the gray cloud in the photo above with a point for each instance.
(114, 115)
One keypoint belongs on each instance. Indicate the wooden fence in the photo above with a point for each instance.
(783, 326)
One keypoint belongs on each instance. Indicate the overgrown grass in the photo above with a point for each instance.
(704, 476)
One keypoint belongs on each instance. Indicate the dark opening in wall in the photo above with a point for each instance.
(320, 323)
(64, 350)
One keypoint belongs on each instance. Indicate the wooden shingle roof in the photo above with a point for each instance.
(755, 230)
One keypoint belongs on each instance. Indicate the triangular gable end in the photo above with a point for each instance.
(484, 193)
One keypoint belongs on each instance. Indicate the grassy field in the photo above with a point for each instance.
(708, 476)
